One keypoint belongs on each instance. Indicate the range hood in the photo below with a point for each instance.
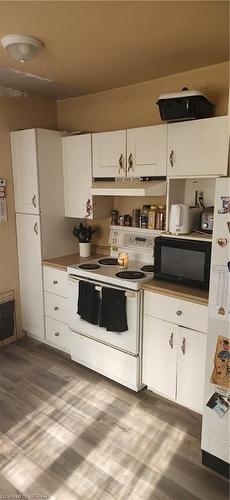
(135, 187)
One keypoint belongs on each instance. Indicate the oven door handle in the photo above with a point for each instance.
(128, 293)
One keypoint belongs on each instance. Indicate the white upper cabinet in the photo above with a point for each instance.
(191, 368)
(77, 175)
(25, 171)
(198, 147)
(109, 154)
(146, 151)
(76, 151)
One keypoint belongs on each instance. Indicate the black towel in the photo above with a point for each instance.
(113, 310)
(88, 302)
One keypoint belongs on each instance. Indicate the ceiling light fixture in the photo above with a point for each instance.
(21, 47)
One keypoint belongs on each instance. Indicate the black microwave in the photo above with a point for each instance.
(182, 261)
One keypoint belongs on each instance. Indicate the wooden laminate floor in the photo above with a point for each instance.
(68, 433)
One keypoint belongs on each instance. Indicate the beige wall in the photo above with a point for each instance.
(16, 113)
(135, 106)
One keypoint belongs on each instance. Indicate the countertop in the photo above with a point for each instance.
(158, 286)
(68, 260)
(177, 290)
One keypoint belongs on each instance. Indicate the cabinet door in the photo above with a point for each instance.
(160, 356)
(30, 274)
(77, 174)
(146, 151)
(199, 147)
(25, 171)
(191, 368)
(109, 154)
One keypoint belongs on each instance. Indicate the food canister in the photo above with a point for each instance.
(136, 217)
(152, 217)
(160, 217)
(127, 220)
(144, 216)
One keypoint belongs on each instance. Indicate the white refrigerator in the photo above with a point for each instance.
(216, 415)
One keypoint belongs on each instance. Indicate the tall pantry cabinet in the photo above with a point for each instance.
(42, 230)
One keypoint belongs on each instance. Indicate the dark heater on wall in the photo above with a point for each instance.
(7, 315)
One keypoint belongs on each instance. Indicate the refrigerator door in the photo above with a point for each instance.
(216, 415)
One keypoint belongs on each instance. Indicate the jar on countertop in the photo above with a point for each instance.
(114, 220)
(160, 217)
(152, 217)
(144, 216)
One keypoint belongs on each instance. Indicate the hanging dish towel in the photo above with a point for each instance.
(88, 302)
(113, 310)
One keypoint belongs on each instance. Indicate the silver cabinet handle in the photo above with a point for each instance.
(183, 346)
(179, 313)
(121, 163)
(34, 203)
(57, 334)
(36, 228)
(171, 159)
(55, 282)
(130, 163)
(171, 340)
(55, 308)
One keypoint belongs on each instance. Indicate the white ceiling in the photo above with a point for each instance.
(92, 46)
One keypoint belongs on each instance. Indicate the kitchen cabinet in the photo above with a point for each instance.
(198, 147)
(109, 154)
(137, 152)
(159, 356)
(25, 171)
(174, 355)
(42, 230)
(146, 151)
(77, 175)
(57, 333)
(191, 368)
(30, 276)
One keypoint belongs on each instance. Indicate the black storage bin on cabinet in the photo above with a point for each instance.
(185, 105)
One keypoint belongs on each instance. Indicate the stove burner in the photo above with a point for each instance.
(89, 266)
(108, 261)
(147, 269)
(130, 275)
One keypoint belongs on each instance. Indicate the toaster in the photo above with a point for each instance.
(206, 222)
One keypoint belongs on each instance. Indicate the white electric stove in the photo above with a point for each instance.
(138, 244)
(114, 354)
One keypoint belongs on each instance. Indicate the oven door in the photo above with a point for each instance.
(126, 341)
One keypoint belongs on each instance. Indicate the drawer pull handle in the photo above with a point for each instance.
(179, 313)
(183, 346)
(171, 340)
(57, 334)
(55, 308)
(55, 282)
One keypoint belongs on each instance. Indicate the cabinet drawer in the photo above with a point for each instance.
(55, 281)
(181, 312)
(57, 334)
(56, 307)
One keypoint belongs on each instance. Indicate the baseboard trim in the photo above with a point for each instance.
(215, 464)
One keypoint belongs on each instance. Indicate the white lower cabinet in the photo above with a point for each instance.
(57, 333)
(30, 274)
(173, 355)
(190, 368)
(159, 356)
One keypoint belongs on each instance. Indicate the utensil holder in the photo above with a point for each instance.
(84, 249)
